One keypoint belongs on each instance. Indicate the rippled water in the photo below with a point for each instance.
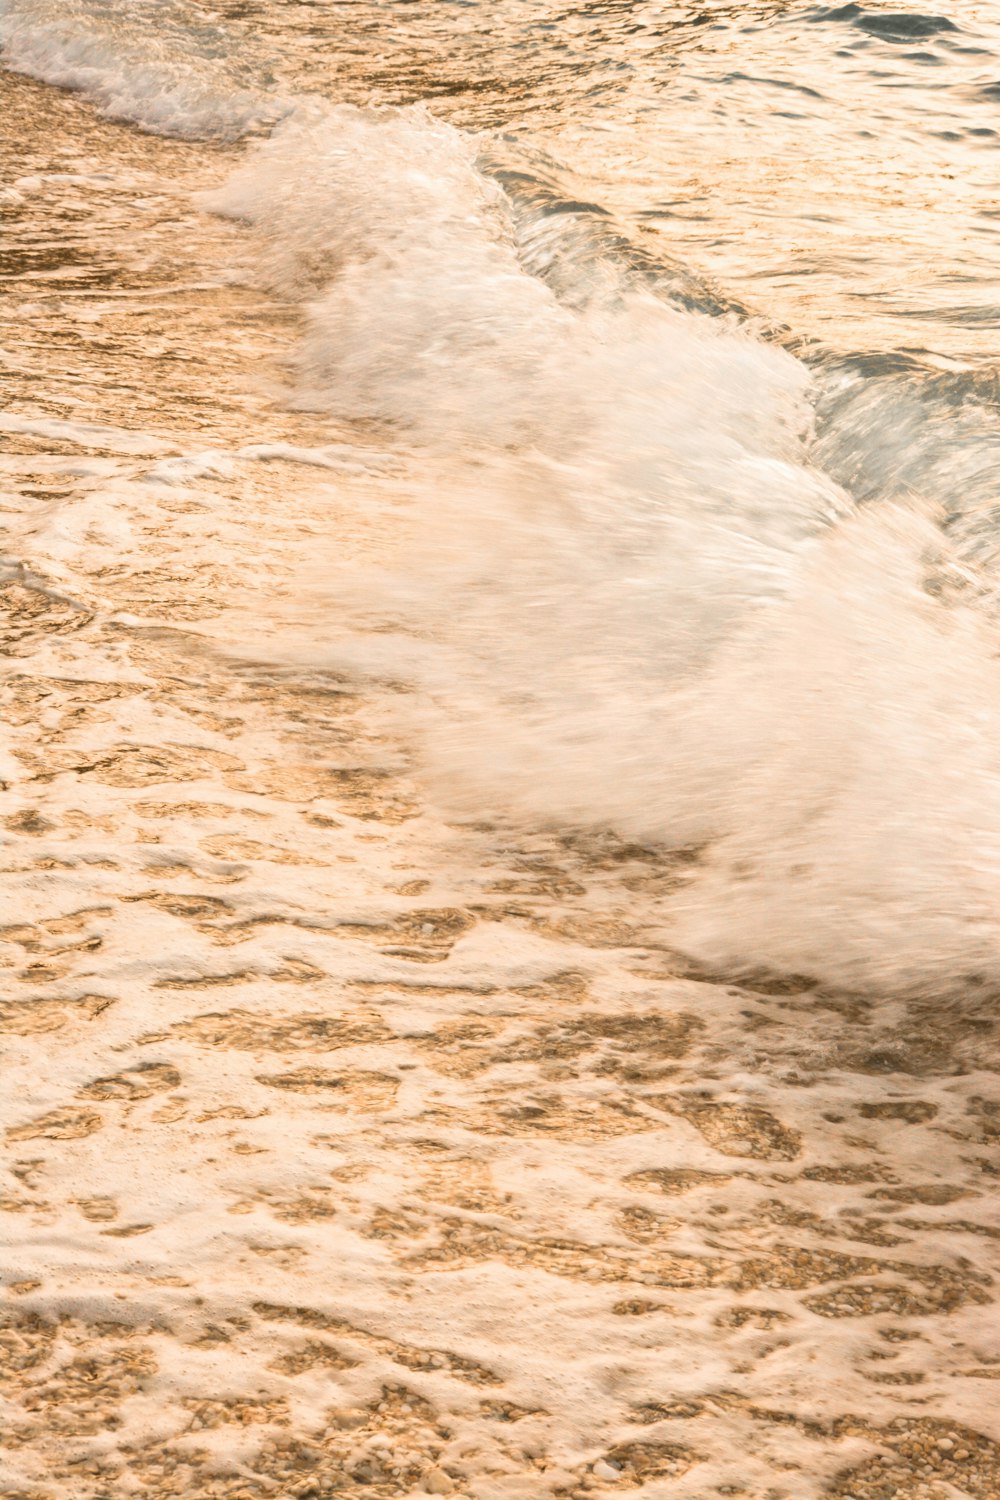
(832, 166)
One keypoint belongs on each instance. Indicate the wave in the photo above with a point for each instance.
(632, 596)
(155, 63)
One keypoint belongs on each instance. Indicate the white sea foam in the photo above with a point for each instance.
(155, 63)
(639, 604)
(85, 434)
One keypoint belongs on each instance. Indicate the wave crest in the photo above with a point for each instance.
(631, 597)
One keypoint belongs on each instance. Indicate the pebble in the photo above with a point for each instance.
(437, 1482)
(945, 1444)
(604, 1470)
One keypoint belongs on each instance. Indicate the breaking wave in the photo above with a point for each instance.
(633, 590)
(154, 63)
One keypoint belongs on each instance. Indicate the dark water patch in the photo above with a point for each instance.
(891, 26)
(774, 83)
(971, 315)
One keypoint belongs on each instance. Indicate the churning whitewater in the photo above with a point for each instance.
(632, 591)
(640, 603)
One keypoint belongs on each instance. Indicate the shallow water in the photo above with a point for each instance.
(502, 749)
